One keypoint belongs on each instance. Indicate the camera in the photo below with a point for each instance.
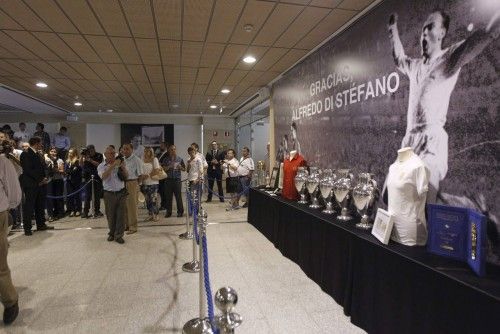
(120, 157)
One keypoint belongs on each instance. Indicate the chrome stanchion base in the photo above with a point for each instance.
(197, 326)
(191, 267)
(228, 322)
(186, 236)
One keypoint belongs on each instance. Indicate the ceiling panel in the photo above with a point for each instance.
(85, 70)
(155, 73)
(232, 55)
(271, 57)
(226, 14)
(325, 3)
(234, 78)
(102, 70)
(172, 74)
(301, 26)
(120, 72)
(23, 15)
(191, 52)
(288, 60)
(111, 17)
(138, 74)
(80, 46)
(52, 15)
(148, 49)
(188, 74)
(7, 23)
(168, 15)
(255, 13)
(211, 54)
(255, 51)
(170, 53)
(127, 50)
(196, 17)
(46, 68)
(7, 42)
(140, 18)
(355, 4)
(282, 16)
(331, 23)
(82, 16)
(102, 45)
(54, 42)
(32, 44)
(66, 69)
(204, 75)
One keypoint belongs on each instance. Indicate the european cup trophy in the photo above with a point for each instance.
(312, 184)
(364, 195)
(342, 190)
(300, 182)
(325, 187)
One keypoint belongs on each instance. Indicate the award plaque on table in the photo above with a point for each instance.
(457, 233)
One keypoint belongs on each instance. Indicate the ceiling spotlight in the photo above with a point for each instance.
(109, 110)
(41, 84)
(248, 27)
(249, 59)
(213, 106)
(225, 91)
(175, 105)
(78, 104)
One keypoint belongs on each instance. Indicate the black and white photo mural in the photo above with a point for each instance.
(423, 74)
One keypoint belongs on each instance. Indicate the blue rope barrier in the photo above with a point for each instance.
(69, 195)
(208, 289)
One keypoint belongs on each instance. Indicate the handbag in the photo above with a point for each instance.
(160, 175)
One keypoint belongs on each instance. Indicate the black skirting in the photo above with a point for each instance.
(385, 289)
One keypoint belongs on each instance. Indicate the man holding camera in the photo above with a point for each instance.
(90, 159)
(113, 174)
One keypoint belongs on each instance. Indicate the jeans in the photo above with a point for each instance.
(150, 193)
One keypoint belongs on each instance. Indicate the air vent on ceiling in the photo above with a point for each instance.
(262, 95)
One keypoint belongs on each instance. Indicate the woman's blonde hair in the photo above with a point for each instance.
(77, 155)
(149, 155)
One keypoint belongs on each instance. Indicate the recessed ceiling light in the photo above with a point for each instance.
(109, 110)
(78, 104)
(175, 105)
(225, 91)
(41, 84)
(249, 59)
(213, 106)
(248, 27)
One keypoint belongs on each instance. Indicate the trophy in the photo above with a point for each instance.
(312, 184)
(325, 188)
(341, 190)
(300, 181)
(364, 196)
(261, 173)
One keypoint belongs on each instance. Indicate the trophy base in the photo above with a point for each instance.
(344, 218)
(197, 326)
(186, 236)
(302, 202)
(364, 226)
(328, 211)
(191, 267)
(315, 206)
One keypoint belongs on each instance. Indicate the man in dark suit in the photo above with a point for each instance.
(215, 159)
(34, 182)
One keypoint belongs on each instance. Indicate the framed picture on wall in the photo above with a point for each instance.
(152, 135)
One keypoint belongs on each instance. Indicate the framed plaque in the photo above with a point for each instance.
(274, 178)
(458, 233)
(382, 227)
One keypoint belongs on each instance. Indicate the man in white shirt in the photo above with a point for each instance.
(10, 197)
(245, 171)
(135, 170)
(22, 135)
(61, 142)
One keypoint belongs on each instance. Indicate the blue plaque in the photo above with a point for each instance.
(457, 233)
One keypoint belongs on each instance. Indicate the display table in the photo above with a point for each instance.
(385, 289)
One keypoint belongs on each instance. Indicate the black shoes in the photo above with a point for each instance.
(180, 214)
(168, 214)
(120, 241)
(245, 205)
(209, 200)
(111, 238)
(44, 228)
(10, 314)
(28, 232)
(98, 215)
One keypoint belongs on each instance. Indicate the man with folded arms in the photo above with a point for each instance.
(135, 174)
(113, 173)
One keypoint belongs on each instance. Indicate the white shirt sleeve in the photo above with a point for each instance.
(11, 184)
(422, 180)
(101, 169)
(251, 164)
(156, 163)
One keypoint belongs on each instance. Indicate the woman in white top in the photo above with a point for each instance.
(150, 186)
(233, 186)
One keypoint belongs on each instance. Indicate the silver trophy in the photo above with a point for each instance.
(300, 182)
(312, 184)
(364, 195)
(325, 188)
(342, 190)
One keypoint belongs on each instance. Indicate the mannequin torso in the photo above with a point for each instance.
(404, 154)
(293, 154)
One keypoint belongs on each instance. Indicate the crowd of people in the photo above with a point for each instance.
(59, 180)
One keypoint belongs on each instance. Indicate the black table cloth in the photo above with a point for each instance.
(385, 289)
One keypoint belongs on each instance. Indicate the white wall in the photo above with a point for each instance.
(184, 135)
(102, 135)
(260, 138)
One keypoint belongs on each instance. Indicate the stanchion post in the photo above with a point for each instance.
(93, 196)
(200, 325)
(188, 234)
(194, 265)
(225, 300)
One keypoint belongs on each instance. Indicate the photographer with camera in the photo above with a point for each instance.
(90, 159)
(113, 173)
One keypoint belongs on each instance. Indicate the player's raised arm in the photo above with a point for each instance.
(398, 52)
(471, 47)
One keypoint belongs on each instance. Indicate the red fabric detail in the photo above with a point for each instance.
(290, 168)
